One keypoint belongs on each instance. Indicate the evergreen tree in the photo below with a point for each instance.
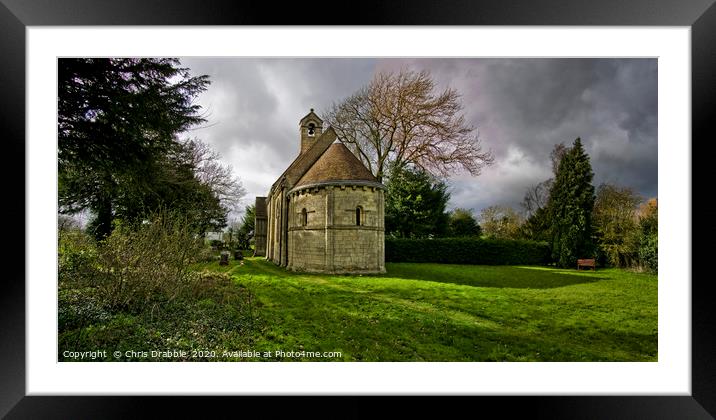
(537, 226)
(415, 204)
(248, 223)
(463, 224)
(117, 124)
(570, 208)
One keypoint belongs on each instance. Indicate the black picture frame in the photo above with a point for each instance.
(16, 15)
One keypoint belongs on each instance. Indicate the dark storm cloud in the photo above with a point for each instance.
(523, 106)
(253, 107)
(520, 106)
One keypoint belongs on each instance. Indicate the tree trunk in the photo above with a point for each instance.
(103, 220)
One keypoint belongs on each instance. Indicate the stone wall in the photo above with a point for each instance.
(275, 220)
(307, 244)
(260, 228)
(332, 241)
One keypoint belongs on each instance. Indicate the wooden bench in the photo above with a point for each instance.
(590, 262)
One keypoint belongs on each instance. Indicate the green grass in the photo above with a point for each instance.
(433, 312)
(415, 312)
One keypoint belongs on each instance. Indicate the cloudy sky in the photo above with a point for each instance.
(520, 106)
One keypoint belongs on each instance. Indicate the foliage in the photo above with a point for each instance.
(77, 258)
(80, 307)
(138, 290)
(649, 217)
(538, 223)
(649, 235)
(570, 208)
(67, 223)
(148, 262)
(501, 222)
(615, 224)
(207, 254)
(138, 264)
(463, 224)
(175, 184)
(212, 315)
(649, 252)
(415, 204)
(399, 119)
(246, 230)
(466, 251)
(537, 226)
(119, 156)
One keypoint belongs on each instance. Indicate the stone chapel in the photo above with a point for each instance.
(325, 213)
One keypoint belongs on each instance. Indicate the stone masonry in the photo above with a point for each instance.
(325, 213)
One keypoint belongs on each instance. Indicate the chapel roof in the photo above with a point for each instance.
(337, 163)
(303, 162)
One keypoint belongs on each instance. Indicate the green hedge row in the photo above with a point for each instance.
(467, 251)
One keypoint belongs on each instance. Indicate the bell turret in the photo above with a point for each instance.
(311, 127)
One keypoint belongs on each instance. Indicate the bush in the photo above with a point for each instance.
(148, 262)
(467, 251)
(206, 254)
(77, 258)
(79, 308)
(649, 252)
(135, 265)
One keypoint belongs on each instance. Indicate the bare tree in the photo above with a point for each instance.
(210, 171)
(556, 155)
(501, 222)
(537, 197)
(398, 119)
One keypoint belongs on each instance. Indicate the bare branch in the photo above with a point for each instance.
(398, 120)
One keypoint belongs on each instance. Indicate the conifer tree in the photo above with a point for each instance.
(415, 204)
(570, 208)
(118, 154)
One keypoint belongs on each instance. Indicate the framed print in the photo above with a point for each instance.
(674, 381)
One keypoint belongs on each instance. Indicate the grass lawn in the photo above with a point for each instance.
(434, 312)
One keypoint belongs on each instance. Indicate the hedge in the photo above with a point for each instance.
(467, 251)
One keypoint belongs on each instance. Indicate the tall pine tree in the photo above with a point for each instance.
(570, 208)
(117, 122)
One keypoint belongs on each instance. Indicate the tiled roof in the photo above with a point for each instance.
(337, 163)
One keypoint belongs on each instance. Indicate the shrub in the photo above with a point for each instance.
(206, 254)
(649, 252)
(79, 308)
(467, 251)
(147, 262)
(649, 240)
(77, 258)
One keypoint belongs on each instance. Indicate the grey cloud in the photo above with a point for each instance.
(521, 107)
(253, 106)
(530, 104)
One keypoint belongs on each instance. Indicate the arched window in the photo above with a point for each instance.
(359, 216)
(304, 217)
(311, 129)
